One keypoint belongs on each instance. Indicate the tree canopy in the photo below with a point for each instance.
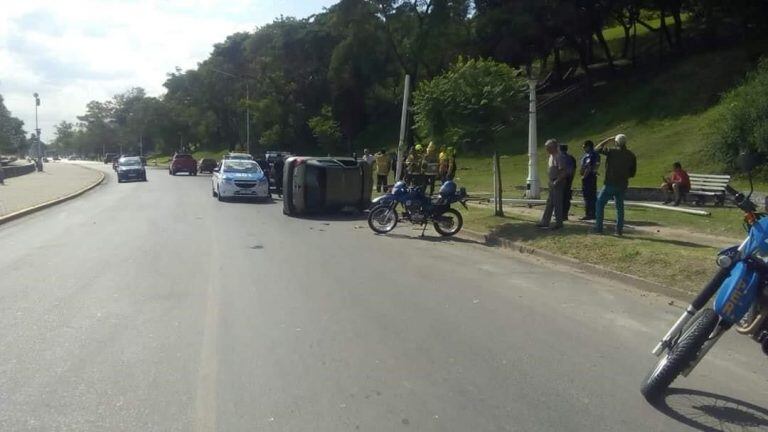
(317, 84)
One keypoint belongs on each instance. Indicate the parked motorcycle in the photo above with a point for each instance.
(740, 291)
(413, 205)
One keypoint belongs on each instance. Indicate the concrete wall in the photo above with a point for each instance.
(17, 170)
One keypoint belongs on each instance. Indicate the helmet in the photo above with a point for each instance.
(447, 189)
(399, 187)
(418, 147)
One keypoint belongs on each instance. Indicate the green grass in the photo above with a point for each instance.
(667, 118)
(644, 255)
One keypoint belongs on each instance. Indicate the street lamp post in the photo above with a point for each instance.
(37, 135)
(532, 188)
(247, 104)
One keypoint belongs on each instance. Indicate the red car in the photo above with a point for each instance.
(182, 162)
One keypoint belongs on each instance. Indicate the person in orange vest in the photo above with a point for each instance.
(442, 164)
(451, 154)
(430, 167)
(381, 164)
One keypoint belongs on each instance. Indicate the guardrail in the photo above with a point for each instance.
(17, 170)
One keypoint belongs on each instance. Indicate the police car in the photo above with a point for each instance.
(239, 178)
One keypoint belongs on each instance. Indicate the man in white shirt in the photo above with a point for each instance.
(557, 173)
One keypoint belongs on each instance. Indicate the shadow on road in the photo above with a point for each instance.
(706, 411)
(333, 217)
(246, 200)
(433, 238)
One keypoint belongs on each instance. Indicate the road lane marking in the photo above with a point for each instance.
(206, 397)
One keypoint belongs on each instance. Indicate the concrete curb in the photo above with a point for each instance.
(592, 269)
(45, 205)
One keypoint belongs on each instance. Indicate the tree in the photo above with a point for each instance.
(469, 103)
(742, 123)
(12, 135)
(326, 130)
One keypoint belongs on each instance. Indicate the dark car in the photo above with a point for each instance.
(130, 168)
(182, 162)
(207, 165)
(325, 184)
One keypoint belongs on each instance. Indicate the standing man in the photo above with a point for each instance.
(367, 157)
(430, 167)
(620, 166)
(590, 163)
(557, 173)
(382, 166)
(568, 191)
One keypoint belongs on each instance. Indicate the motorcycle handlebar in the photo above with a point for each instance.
(741, 201)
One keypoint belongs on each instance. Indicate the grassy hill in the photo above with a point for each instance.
(666, 117)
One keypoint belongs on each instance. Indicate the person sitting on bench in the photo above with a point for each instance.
(676, 185)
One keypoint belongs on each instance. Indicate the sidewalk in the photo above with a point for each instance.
(59, 180)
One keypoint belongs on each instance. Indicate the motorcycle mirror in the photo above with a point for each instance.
(748, 160)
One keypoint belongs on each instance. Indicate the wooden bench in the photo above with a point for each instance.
(704, 186)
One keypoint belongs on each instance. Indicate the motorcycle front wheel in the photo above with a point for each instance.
(680, 356)
(382, 219)
(448, 223)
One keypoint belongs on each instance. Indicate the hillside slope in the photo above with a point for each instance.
(666, 119)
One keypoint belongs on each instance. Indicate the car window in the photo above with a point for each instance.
(240, 166)
(130, 162)
(183, 156)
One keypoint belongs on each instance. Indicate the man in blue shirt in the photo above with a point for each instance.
(590, 163)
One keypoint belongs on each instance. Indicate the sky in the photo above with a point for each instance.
(75, 51)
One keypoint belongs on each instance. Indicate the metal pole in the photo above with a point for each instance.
(532, 189)
(37, 136)
(403, 127)
(247, 117)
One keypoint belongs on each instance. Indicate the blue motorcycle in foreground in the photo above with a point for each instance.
(413, 205)
(740, 291)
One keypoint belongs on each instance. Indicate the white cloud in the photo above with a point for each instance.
(75, 51)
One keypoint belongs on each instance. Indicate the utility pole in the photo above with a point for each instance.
(247, 104)
(403, 128)
(532, 188)
(37, 136)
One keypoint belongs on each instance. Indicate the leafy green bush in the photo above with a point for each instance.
(742, 123)
(326, 130)
(469, 103)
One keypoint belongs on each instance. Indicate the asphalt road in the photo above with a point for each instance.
(152, 306)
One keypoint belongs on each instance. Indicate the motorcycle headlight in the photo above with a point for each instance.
(724, 261)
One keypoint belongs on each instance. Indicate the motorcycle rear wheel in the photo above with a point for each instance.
(382, 219)
(449, 223)
(680, 356)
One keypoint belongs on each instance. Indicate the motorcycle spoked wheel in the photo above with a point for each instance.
(382, 219)
(680, 356)
(448, 223)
